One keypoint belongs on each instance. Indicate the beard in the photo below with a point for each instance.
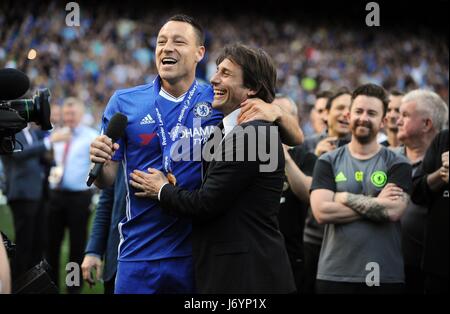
(366, 138)
(392, 126)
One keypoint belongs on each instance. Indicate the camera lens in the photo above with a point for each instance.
(35, 110)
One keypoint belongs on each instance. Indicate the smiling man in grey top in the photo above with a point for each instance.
(360, 192)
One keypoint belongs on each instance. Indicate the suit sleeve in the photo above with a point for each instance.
(305, 160)
(422, 194)
(35, 149)
(226, 180)
(100, 227)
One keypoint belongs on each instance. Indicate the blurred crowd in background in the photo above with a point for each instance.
(110, 51)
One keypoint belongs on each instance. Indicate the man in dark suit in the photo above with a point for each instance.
(104, 238)
(237, 245)
(24, 189)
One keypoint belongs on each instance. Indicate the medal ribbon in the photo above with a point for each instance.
(167, 141)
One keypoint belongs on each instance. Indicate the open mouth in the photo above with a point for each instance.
(343, 123)
(219, 92)
(169, 61)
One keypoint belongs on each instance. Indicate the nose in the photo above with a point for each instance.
(168, 46)
(399, 120)
(364, 116)
(346, 112)
(215, 79)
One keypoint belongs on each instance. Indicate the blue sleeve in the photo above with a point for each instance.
(102, 221)
(112, 108)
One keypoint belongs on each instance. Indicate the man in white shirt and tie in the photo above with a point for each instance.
(70, 198)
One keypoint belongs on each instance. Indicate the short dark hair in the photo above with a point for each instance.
(372, 90)
(324, 94)
(341, 91)
(396, 93)
(190, 20)
(258, 68)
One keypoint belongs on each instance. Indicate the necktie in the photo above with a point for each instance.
(65, 153)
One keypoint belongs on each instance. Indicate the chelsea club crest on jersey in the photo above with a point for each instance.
(202, 110)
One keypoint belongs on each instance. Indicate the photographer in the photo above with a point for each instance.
(5, 277)
(24, 190)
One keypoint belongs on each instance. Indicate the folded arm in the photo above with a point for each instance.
(378, 209)
(328, 211)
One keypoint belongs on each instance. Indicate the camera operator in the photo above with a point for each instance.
(24, 189)
(5, 277)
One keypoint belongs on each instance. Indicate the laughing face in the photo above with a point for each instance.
(228, 84)
(177, 52)
(338, 124)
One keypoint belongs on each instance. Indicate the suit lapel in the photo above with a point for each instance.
(207, 164)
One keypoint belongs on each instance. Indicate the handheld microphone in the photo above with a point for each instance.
(13, 84)
(115, 130)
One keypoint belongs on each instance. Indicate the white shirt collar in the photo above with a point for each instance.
(167, 96)
(230, 121)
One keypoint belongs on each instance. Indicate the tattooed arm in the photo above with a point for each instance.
(327, 211)
(388, 206)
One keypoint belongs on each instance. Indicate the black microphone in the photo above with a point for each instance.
(115, 130)
(13, 84)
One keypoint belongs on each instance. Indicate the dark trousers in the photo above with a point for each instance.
(71, 210)
(334, 287)
(435, 284)
(414, 280)
(311, 260)
(29, 243)
(297, 271)
(109, 285)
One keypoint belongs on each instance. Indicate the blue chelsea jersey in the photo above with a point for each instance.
(147, 232)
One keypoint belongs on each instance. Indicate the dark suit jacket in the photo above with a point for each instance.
(23, 171)
(104, 237)
(237, 245)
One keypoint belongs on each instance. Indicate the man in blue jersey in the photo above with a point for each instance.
(155, 254)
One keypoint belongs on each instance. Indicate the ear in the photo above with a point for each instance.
(383, 122)
(428, 125)
(200, 54)
(251, 93)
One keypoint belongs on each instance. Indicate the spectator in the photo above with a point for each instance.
(390, 121)
(294, 200)
(70, 198)
(431, 190)
(104, 238)
(337, 132)
(422, 115)
(24, 191)
(359, 192)
(319, 112)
